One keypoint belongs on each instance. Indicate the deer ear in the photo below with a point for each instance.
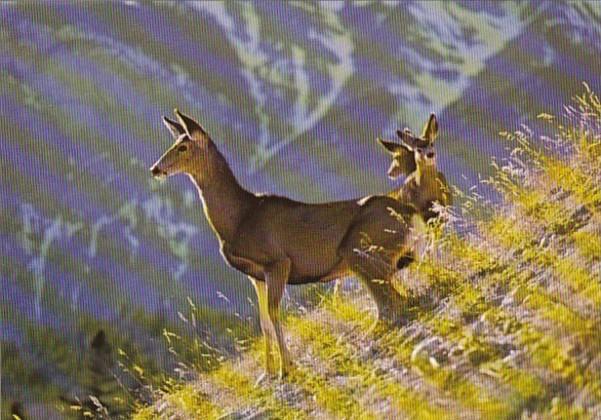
(394, 171)
(99, 340)
(174, 128)
(407, 138)
(390, 146)
(403, 164)
(405, 161)
(431, 128)
(190, 126)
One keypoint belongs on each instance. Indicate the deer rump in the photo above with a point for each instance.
(314, 236)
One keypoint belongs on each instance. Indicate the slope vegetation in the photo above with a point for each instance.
(503, 308)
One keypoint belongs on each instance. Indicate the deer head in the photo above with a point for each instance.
(192, 148)
(412, 152)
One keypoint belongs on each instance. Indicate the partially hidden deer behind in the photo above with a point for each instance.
(415, 157)
(277, 241)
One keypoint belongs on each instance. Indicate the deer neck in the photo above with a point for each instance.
(425, 177)
(224, 200)
(420, 188)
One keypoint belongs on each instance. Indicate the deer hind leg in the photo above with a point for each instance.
(266, 328)
(375, 270)
(389, 304)
(276, 278)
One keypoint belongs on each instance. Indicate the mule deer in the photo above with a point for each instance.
(415, 157)
(277, 241)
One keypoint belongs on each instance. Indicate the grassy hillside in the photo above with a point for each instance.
(504, 318)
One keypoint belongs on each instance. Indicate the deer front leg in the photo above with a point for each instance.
(261, 290)
(276, 277)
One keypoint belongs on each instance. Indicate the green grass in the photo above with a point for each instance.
(328, 347)
(545, 350)
(588, 244)
(515, 237)
(184, 401)
(244, 387)
(469, 395)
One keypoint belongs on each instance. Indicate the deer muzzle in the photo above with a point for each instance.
(430, 159)
(157, 172)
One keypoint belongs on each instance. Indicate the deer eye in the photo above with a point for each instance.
(420, 150)
(182, 148)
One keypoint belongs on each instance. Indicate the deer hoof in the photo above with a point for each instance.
(386, 323)
(378, 328)
(286, 370)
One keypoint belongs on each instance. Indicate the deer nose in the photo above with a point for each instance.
(430, 155)
(155, 171)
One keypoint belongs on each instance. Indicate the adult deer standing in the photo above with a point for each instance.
(277, 241)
